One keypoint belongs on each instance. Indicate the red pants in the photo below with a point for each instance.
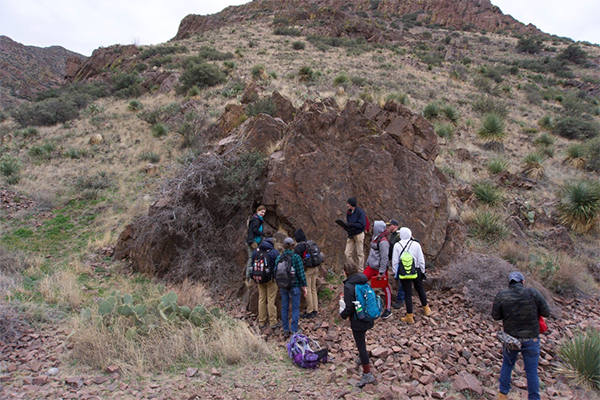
(387, 291)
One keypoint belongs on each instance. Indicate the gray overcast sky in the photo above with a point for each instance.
(84, 25)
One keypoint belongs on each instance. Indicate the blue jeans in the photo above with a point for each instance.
(292, 294)
(530, 349)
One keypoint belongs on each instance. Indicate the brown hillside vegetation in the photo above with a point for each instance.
(483, 139)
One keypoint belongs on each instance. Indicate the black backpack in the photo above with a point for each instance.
(312, 256)
(262, 271)
(284, 275)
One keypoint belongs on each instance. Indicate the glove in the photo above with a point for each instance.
(342, 304)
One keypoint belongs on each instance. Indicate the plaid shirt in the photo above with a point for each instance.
(297, 265)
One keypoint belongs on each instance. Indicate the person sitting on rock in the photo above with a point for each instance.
(359, 327)
(312, 301)
(377, 262)
(519, 309)
(408, 264)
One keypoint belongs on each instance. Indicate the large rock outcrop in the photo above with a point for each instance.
(324, 155)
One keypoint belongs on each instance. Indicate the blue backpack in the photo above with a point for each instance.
(371, 303)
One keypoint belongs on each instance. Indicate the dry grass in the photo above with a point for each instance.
(191, 294)
(11, 266)
(61, 288)
(227, 341)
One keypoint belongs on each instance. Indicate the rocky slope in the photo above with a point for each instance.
(27, 70)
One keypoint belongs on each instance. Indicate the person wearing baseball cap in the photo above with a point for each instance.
(394, 237)
(519, 309)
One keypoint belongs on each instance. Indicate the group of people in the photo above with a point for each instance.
(392, 248)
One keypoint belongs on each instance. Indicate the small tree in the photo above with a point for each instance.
(574, 54)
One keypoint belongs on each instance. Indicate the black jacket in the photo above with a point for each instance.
(350, 296)
(301, 240)
(518, 308)
(254, 229)
(356, 222)
(394, 237)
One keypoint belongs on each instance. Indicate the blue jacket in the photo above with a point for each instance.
(271, 253)
(356, 222)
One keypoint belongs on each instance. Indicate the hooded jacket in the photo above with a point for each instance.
(301, 240)
(380, 248)
(272, 254)
(414, 248)
(519, 308)
(350, 296)
(255, 229)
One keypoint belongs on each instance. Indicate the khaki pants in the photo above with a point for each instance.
(312, 301)
(267, 294)
(356, 246)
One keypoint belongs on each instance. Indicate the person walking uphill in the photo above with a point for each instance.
(263, 264)
(255, 233)
(519, 309)
(311, 271)
(377, 262)
(359, 327)
(408, 264)
(291, 280)
(356, 223)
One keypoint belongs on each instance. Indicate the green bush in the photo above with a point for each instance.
(45, 113)
(126, 85)
(258, 71)
(159, 130)
(546, 122)
(592, 153)
(162, 50)
(341, 80)
(401, 98)
(574, 54)
(544, 140)
(10, 167)
(266, 105)
(135, 105)
(149, 156)
(488, 105)
(306, 73)
(444, 130)
(202, 75)
(579, 205)
(529, 45)
(487, 226)
(28, 132)
(431, 110)
(533, 164)
(497, 165)
(492, 128)
(287, 31)
(580, 358)
(98, 181)
(547, 65)
(298, 45)
(451, 113)
(571, 127)
(487, 193)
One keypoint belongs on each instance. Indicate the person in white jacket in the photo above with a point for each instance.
(409, 273)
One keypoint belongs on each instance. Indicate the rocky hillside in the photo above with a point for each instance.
(27, 70)
(363, 17)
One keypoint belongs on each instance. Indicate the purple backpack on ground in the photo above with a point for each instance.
(302, 354)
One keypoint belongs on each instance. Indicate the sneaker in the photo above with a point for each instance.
(277, 325)
(261, 327)
(365, 380)
(313, 314)
(397, 305)
(286, 334)
(298, 331)
(386, 314)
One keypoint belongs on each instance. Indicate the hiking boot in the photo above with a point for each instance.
(426, 311)
(408, 319)
(365, 380)
(286, 334)
(298, 331)
(502, 396)
(386, 314)
(313, 314)
(277, 325)
(397, 305)
(305, 315)
(261, 327)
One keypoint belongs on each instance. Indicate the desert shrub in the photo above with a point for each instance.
(3, 116)
(149, 156)
(574, 54)
(488, 105)
(191, 128)
(162, 50)
(98, 181)
(341, 80)
(228, 66)
(27, 132)
(592, 153)
(547, 65)
(358, 80)
(572, 127)
(159, 129)
(533, 164)
(194, 91)
(258, 72)
(42, 151)
(495, 73)
(497, 165)
(444, 130)
(45, 113)
(580, 358)
(206, 54)
(10, 167)
(135, 105)
(452, 114)
(486, 226)
(487, 193)
(354, 46)
(298, 45)
(306, 73)
(266, 105)
(202, 75)
(366, 96)
(484, 84)
(12, 265)
(575, 155)
(579, 205)
(287, 31)
(544, 140)
(546, 122)
(431, 110)
(492, 128)
(75, 153)
(126, 85)
(529, 45)
(401, 98)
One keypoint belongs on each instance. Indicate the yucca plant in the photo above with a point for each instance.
(431, 111)
(546, 122)
(492, 129)
(159, 129)
(486, 225)
(9, 166)
(580, 358)
(401, 98)
(544, 140)
(576, 155)
(451, 114)
(487, 193)
(579, 205)
(306, 73)
(497, 165)
(533, 164)
(135, 105)
(444, 130)
(149, 156)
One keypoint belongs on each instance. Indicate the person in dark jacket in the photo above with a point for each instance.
(519, 309)
(267, 291)
(358, 326)
(292, 295)
(356, 223)
(255, 234)
(312, 301)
